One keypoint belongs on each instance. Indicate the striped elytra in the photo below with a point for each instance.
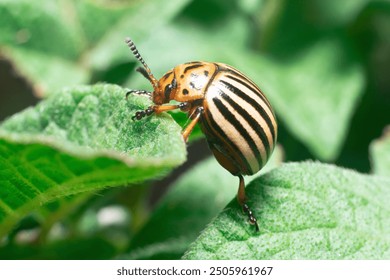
(233, 113)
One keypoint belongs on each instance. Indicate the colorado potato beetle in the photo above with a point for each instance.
(233, 113)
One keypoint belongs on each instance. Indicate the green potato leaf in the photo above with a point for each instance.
(81, 139)
(305, 211)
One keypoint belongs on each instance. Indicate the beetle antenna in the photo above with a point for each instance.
(147, 73)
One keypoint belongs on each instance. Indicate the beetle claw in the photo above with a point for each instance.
(138, 115)
(251, 217)
(141, 114)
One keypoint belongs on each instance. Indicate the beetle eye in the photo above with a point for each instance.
(167, 91)
(168, 88)
(174, 83)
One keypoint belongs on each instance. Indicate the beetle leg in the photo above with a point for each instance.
(140, 114)
(242, 201)
(159, 109)
(139, 92)
(163, 108)
(194, 119)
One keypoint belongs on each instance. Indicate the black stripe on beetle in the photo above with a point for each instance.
(210, 124)
(253, 103)
(192, 67)
(168, 89)
(231, 118)
(254, 125)
(247, 84)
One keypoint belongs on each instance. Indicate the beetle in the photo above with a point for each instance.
(235, 116)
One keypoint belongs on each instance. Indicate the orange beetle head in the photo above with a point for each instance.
(186, 82)
(166, 89)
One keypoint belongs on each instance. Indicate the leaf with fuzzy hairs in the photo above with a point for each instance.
(305, 211)
(81, 139)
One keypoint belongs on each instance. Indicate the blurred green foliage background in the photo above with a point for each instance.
(324, 66)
